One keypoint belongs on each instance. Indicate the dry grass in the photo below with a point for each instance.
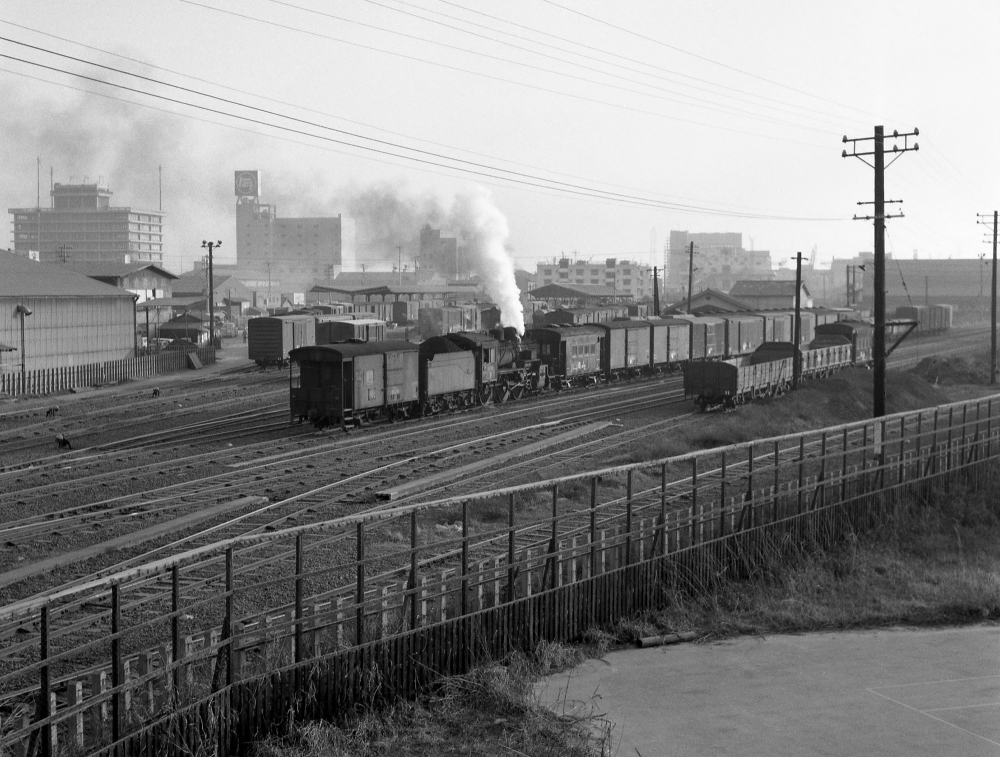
(492, 711)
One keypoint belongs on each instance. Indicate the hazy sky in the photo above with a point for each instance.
(727, 116)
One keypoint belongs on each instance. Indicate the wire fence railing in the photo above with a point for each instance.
(209, 649)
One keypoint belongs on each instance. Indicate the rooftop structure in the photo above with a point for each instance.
(83, 226)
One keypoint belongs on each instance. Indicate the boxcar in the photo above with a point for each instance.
(571, 354)
(348, 384)
(626, 347)
(744, 333)
(669, 342)
(359, 329)
(440, 320)
(271, 339)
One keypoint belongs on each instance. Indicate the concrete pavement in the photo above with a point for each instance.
(887, 692)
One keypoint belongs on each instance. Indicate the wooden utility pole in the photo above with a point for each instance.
(210, 246)
(656, 292)
(797, 326)
(993, 305)
(878, 163)
(690, 275)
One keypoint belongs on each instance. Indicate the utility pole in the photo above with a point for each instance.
(993, 305)
(64, 252)
(878, 157)
(211, 290)
(847, 281)
(656, 290)
(690, 275)
(399, 266)
(797, 326)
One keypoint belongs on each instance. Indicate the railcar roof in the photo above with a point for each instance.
(335, 353)
(565, 331)
(472, 337)
(619, 325)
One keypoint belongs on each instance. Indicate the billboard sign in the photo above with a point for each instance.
(248, 183)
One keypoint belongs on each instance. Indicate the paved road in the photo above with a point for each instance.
(887, 693)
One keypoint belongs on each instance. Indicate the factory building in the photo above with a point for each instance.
(623, 276)
(297, 251)
(719, 258)
(83, 226)
(67, 319)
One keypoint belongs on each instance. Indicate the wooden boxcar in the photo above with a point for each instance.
(626, 347)
(359, 329)
(858, 333)
(271, 339)
(744, 333)
(348, 384)
(571, 354)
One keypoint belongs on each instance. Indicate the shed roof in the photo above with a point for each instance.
(575, 291)
(112, 269)
(765, 289)
(6, 348)
(23, 277)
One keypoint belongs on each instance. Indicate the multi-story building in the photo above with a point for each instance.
(83, 226)
(440, 255)
(297, 251)
(624, 276)
(719, 259)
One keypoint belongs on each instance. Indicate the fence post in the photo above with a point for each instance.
(843, 470)
(694, 500)
(722, 497)
(116, 662)
(777, 483)
(749, 495)
(413, 569)
(230, 615)
(175, 626)
(553, 560)
(510, 548)
(902, 447)
(44, 681)
(299, 590)
(359, 631)
(663, 508)
(628, 518)
(989, 428)
(802, 459)
(464, 604)
(593, 527)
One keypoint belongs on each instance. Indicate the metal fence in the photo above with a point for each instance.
(222, 645)
(45, 380)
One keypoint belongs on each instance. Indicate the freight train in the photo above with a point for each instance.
(351, 384)
(768, 371)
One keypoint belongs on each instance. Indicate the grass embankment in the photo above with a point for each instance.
(937, 562)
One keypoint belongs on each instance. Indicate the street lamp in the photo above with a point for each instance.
(22, 310)
(211, 290)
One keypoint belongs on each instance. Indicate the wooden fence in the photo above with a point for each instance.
(46, 380)
(209, 650)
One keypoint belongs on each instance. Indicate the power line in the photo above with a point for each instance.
(700, 57)
(599, 50)
(492, 77)
(322, 113)
(535, 52)
(551, 184)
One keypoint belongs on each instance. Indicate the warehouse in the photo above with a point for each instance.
(56, 318)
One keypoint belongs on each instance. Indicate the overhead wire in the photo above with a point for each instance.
(287, 4)
(599, 50)
(698, 56)
(539, 88)
(476, 169)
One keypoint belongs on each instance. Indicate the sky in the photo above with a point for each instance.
(597, 127)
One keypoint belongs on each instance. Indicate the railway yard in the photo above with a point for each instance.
(214, 459)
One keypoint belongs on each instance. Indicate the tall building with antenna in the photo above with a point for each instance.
(83, 226)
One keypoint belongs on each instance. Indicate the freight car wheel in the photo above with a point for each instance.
(502, 394)
(517, 392)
